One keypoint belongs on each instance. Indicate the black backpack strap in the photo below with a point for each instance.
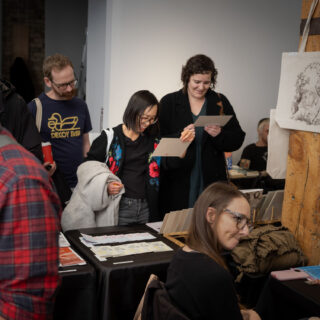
(38, 113)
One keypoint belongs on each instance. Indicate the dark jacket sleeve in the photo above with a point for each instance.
(98, 148)
(31, 139)
(231, 136)
(20, 122)
(171, 126)
(166, 112)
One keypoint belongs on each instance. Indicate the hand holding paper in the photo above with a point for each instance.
(171, 147)
(213, 130)
(188, 133)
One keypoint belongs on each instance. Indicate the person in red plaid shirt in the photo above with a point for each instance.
(29, 228)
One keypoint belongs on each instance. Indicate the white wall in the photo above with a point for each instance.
(65, 26)
(148, 41)
(97, 60)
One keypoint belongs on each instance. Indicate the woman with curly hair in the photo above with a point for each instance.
(183, 179)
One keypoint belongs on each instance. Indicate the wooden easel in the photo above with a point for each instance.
(301, 205)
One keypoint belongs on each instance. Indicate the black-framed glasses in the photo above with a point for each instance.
(64, 86)
(151, 120)
(241, 219)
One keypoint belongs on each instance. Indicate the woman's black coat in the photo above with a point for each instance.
(175, 115)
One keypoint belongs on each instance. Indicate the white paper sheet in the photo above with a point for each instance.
(155, 225)
(116, 238)
(102, 252)
(63, 242)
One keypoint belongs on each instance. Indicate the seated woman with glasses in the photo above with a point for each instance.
(129, 158)
(198, 281)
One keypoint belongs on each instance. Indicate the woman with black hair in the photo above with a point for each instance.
(129, 157)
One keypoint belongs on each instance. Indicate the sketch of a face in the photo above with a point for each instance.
(306, 104)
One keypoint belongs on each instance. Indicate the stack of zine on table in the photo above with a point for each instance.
(67, 256)
(265, 208)
(110, 246)
(176, 224)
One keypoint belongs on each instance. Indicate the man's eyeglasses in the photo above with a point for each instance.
(241, 219)
(145, 119)
(64, 86)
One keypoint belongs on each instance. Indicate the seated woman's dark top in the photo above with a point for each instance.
(201, 288)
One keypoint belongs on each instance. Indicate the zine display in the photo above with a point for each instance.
(113, 249)
(176, 221)
(273, 208)
(67, 256)
(254, 196)
(103, 252)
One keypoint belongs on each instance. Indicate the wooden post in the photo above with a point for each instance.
(301, 206)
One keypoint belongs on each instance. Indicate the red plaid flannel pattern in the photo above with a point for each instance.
(29, 227)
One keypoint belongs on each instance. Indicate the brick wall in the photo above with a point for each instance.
(23, 32)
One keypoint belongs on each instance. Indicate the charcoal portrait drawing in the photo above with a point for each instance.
(306, 104)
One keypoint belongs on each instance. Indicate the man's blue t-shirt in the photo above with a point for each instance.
(63, 124)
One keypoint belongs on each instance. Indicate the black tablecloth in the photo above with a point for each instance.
(121, 286)
(76, 296)
(292, 300)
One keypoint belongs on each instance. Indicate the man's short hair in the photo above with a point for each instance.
(262, 122)
(56, 61)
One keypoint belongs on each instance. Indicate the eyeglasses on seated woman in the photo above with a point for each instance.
(198, 280)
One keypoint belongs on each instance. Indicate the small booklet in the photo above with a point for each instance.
(68, 257)
(170, 147)
(203, 121)
(313, 271)
(63, 242)
(289, 274)
(155, 225)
